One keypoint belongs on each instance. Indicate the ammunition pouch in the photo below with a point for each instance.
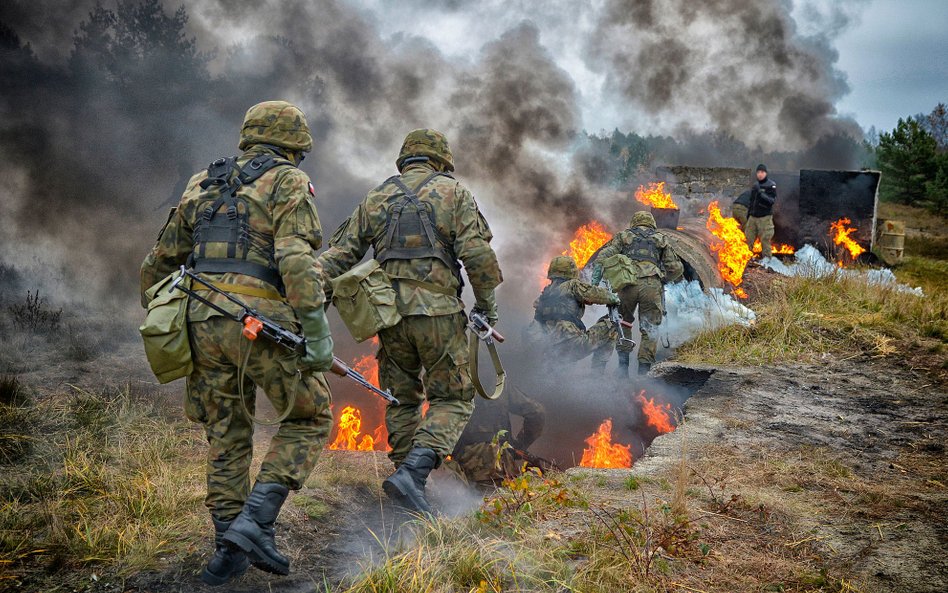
(619, 271)
(365, 300)
(165, 331)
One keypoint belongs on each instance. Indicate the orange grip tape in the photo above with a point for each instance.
(252, 327)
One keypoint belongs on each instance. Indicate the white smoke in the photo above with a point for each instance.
(691, 310)
(810, 263)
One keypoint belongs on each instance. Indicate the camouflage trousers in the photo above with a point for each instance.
(564, 340)
(488, 464)
(213, 400)
(760, 227)
(426, 358)
(646, 294)
(739, 213)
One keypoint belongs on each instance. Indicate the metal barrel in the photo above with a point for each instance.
(891, 241)
(666, 218)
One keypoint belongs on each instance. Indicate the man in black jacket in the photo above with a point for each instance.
(760, 218)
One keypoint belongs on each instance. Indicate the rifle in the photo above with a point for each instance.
(616, 319)
(256, 324)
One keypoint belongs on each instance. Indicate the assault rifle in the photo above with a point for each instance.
(256, 325)
(621, 325)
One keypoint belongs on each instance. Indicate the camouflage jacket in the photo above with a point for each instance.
(456, 218)
(491, 416)
(567, 300)
(669, 268)
(283, 221)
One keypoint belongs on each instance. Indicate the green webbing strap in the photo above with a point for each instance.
(501, 374)
(291, 398)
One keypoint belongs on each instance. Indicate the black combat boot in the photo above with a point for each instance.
(226, 563)
(407, 485)
(623, 370)
(252, 530)
(644, 367)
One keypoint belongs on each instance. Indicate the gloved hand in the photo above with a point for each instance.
(319, 344)
(485, 303)
(596, 275)
(614, 299)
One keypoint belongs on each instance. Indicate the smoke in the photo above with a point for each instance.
(108, 109)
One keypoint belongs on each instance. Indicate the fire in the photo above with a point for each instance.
(586, 241)
(730, 247)
(776, 248)
(842, 237)
(655, 196)
(348, 430)
(658, 416)
(602, 453)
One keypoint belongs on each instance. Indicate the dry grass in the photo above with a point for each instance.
(108, 480)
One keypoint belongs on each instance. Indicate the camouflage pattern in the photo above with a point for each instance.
(213, 400)
(646, 295)
(739, 213)
(760, 227)
(426, 357)
(564, 339)
(285, 231)
(427, 142)
(562, 266)
(669, 268)
(456, 217)
(278, 123)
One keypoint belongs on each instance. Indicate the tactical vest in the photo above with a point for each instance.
(411, 233)
(555, 304)
(226, 222)
(642, 246)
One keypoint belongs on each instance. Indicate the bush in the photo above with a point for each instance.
(34, 314)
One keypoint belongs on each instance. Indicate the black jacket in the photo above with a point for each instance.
(762, 198)
(744, 199)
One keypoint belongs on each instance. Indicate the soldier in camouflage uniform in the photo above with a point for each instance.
(420, 225)
(480, 453)
(256, 241)
(655, 264)
(558, 317)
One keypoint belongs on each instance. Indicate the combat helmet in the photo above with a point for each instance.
(643, 218)
(426, 142)
(278, 123)
(562, 266)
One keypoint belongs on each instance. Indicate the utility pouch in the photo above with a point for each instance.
(365, 299)
(165, 330)
(619, 271)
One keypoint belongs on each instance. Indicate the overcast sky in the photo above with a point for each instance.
(896, 60)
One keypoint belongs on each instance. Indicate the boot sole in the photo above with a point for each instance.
(257, 557)
(211, 579)
(395, 493)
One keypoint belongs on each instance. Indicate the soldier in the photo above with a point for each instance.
(438, 223)
(256, 241)
(478, 454)
(739, 208)
(655, 264)
(760, 221)
(558, 317)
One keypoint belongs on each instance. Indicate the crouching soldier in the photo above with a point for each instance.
(558, 317)
(740, 206)
(653, 263)
(422, 225)
(249, 226)
(482, 455)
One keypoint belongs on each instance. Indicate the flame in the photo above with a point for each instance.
(602, 453)
(586, 241)
(655, 196)
(730, 247)
(775, 248)
(658, 416)
(842, 237)
(347, 432)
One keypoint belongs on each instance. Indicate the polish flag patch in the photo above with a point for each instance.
(312, 190)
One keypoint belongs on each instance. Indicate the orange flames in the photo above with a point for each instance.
(658, 416)
(602, 453)
(655, 196)
(776, 248)
(730, 247)
(349, 435)
(586, 241)
(841, 231)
